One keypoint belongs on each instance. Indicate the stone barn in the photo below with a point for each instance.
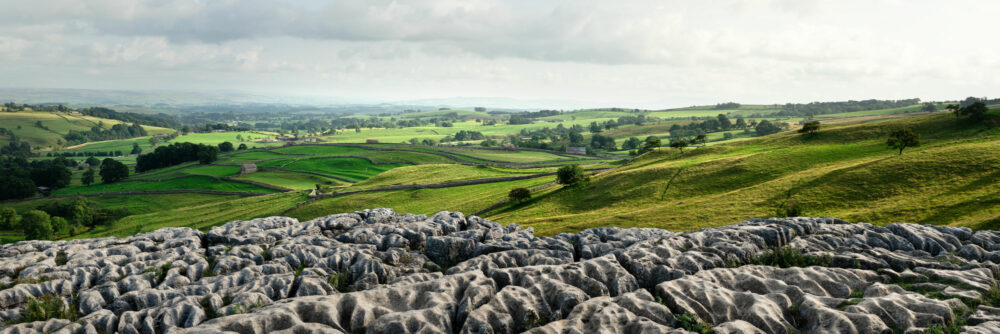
(576, 150)
(248, 168)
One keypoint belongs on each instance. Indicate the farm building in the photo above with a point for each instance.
(371, 141)
(576, 150)
(248, 168)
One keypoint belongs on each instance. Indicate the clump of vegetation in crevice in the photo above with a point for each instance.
(299, 269)
(267, 253)
(61, 258)
(49, 307)
(690, 322)
(536, 320)
(206, 304)
(961, 316)
(157, 274)
(782, 257)
(796, 318)
(339, 281)
(210, 270)
(240, 309)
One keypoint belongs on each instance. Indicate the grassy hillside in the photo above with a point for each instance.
(466, 199)
(57, 124)
(846, 171)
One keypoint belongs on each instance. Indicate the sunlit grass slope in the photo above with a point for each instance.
(845, 171)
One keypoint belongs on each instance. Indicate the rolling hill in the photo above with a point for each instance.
(54, 125)
(845, 171)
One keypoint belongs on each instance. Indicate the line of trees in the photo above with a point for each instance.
(174, 154)
(822, 108)
(160, 120)
(98, 133)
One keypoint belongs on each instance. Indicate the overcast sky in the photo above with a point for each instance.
(624, 53)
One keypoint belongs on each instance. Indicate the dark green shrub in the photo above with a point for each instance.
(570, 175)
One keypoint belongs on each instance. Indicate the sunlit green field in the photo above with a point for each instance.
(353, 169)
(186, 183)
(846, 172)
(291, 180)
(250, 138)
(466, 199)
(23, 124)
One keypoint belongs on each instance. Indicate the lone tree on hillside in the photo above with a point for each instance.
(136, 149)
(570, 175)
(650, 145)
(518, 195)
(36, 225)
(903, 138)
(242, 147)
(112, 170)
(701, 138)
(88, 177)
(680, 145)
(810, 128)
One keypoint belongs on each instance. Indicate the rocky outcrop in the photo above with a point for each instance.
(377, 271)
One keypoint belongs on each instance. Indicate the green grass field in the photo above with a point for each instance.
(414, 157)
(354, 169)
(512, 156)
(214, 138)
(250, 156)
(321, 150)
(134, 204)
(291, 180)
(214, 170)
(202, 216)
(22, 123)
(428, 174)
(846, 172)
(185, 183)
(466, 199)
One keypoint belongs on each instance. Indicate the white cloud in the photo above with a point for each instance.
(626, 53)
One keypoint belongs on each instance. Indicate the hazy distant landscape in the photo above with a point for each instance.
(737, 162)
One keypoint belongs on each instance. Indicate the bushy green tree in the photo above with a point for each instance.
(208, 155)
(243, 146)
(679, 144)
(136, 149)
(649, 146)
(903, 138)
(226, 147)
(570, 175)
(36, 225)
(112, 170)
(975, 111)
(519, 195)
(93, 162)
(58, 224)
(765, 127)
(88, 177)
(631, 144)
(810, 127)
(9, 219)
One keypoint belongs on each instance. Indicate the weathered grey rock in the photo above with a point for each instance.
(382, 272)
